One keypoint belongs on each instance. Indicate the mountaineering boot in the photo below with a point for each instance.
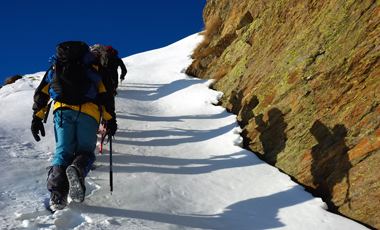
(58, 187)
(58, 200)
(77, 189)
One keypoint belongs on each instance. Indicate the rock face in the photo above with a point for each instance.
(304, 79)
(13, 79)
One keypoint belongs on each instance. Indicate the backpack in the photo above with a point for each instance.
(112, 55)
(100, 51)
(69, 83)
(112, 51)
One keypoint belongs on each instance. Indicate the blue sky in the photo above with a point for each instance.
(30, 30)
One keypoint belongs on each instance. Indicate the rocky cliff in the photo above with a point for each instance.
(303, 76)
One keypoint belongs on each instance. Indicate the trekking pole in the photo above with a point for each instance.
(111, 178)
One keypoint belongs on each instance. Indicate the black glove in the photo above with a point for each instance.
(37, 127)
(111, 127)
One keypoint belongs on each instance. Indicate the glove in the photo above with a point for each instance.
(37, 127)
(111, 127)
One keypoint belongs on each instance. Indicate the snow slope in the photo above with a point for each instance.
(177, 162)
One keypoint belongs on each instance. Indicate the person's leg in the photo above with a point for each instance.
(58, 184)
(65, 137)
(86, 130)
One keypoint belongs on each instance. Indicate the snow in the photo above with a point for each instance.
(177, 161)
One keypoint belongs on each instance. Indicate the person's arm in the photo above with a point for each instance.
(41, 96)
(40, 106)
(123, 69)
(107, 101)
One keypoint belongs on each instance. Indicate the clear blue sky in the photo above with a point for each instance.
(30, 30)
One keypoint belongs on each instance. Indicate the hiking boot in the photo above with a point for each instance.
(58, 200)
(77, 188)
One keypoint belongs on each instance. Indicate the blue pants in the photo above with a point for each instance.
(75, 139)
(75, 134)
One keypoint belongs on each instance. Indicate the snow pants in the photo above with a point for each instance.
(75, 139)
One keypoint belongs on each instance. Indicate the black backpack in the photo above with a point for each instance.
(113, 55)
(70, 83)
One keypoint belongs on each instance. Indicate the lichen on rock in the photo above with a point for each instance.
(303, 78)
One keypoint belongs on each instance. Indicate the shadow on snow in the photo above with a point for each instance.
(256, 213)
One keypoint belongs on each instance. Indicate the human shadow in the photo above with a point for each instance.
(182, 166)
(330, 163)
(170, 136)
(150, 118)
(152, 92)
(272, 134)
(256, 213)
(173, 136)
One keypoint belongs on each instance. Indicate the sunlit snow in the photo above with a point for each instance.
(177, 161)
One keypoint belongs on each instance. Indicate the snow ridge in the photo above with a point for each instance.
(177, 159)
